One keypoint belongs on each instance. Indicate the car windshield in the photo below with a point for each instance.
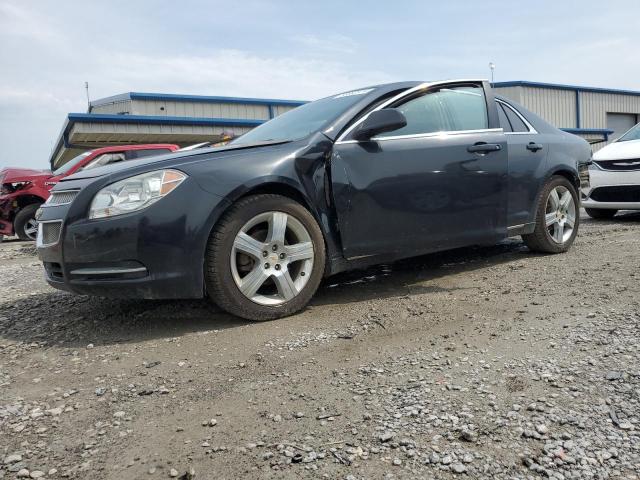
(71, 163)
(304, 120)
(633, 134)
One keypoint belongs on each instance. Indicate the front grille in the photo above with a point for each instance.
(62, 198)
(619, 165)
(622, 193)
(49, 233)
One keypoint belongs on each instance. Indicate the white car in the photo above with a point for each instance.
(615, 177)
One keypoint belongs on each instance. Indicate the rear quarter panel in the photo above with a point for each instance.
(566, 153)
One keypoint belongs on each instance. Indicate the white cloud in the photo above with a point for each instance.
(19, 97)
(236, 72)
(27, 23)
(328, 43)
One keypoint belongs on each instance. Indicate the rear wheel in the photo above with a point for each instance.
(557, 218)
(601, 213)
(265, 258)
(25, 224)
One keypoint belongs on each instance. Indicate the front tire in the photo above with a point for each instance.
(265, 259)
(557, 218)
(601, 213)
(25, 224)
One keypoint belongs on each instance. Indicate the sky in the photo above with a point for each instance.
(288, 49)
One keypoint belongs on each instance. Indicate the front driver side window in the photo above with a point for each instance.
(443, 110)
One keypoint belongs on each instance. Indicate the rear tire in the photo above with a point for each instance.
(265, 258)
(557, 218)
(601, 213)
(25, 225)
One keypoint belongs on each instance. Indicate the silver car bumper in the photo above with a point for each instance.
(615, 190)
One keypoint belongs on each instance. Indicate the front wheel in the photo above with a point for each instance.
(25, 224)
(265, 259)
(557, 218)
(601, 213)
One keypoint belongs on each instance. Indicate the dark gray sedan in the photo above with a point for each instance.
(363, 177)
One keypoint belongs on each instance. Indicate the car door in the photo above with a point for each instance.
(528, 151)
(437, 183)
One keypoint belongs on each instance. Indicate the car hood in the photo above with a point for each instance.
(627, 150)
(14, 175)
(168, 160)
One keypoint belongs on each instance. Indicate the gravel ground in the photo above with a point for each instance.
(479, 363)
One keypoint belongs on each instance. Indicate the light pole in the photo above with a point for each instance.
(492, 66)
(86, 87)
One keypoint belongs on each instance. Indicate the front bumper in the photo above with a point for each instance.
(155, 253)
(8, 208)
(615, 190)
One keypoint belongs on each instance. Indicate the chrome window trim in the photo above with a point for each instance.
(532, 130)
(39, 243)
(427, 135)
(400, 96)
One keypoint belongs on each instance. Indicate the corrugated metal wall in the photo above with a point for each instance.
(206, 109)
(113, 108)
(512, 93)
(556, 106)
(594, 107)
(280, 109)
(200, 109)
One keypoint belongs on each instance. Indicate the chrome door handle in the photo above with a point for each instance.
(484, 148)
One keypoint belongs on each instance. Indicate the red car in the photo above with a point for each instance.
(24, 190)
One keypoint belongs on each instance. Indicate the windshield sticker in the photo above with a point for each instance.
(354, 92)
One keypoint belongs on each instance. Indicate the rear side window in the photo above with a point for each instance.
(152, 152)
(447, 109)
(517, 125)
(504, 121)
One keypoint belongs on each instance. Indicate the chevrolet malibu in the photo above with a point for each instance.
(355, 179)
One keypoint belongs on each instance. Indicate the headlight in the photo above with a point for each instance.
(134, 193)
(14, 187)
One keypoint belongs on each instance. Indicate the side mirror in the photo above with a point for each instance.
(385, 120)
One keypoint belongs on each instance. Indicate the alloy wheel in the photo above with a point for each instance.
(272, 258)
(560, 217)
(31, 228)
